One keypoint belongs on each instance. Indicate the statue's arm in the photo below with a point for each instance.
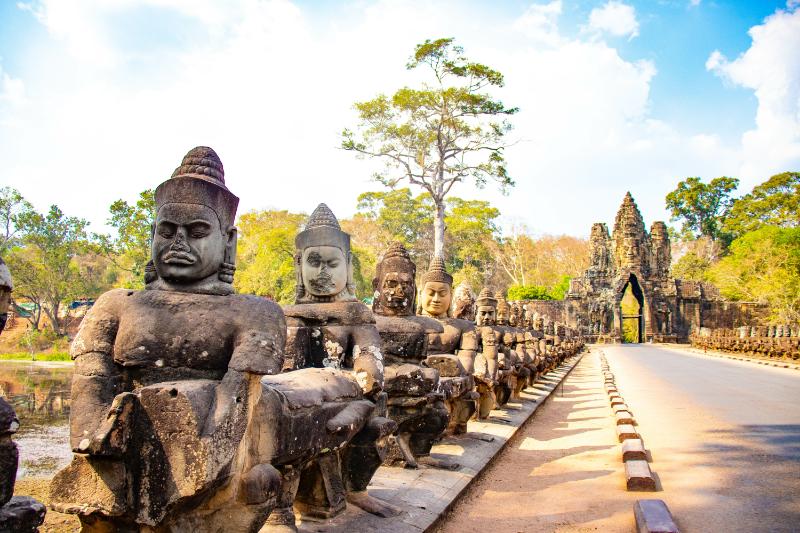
(258, 346)
(368, 358)
(468, 349)
(96, 378)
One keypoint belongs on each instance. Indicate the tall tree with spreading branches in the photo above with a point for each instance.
(440, 134)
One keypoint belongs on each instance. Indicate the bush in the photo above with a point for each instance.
(529, 292)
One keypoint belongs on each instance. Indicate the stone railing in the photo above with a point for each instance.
(776, 341)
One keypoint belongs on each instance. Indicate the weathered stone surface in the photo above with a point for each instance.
(671, 309)
(624, 417)
(626, 431)
(22, 514)
(653, 516)
(638, 476)
(774, 342)
(633, 449)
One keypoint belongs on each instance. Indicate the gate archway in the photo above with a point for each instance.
(631, 311)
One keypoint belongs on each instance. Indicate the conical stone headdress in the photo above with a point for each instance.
(322, 229)
(396, 259)
(437, 272)
(485, 298)
(200, 179)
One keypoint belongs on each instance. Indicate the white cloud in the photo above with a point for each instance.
(12, 90)
(615, 18)
(771, 68)
(540, 22)
(694, 3)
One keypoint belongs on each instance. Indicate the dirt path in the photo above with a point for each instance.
(562, 473)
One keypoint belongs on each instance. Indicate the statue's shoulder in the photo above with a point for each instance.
(114, 301)
(459, 323)
(429, 324)
(330, 314)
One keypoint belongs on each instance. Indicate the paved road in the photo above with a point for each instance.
(724, 435)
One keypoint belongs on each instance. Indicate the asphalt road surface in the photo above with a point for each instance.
(724, 435)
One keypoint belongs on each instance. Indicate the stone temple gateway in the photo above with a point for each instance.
(630, 257)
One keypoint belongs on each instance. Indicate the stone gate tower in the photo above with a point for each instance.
(630, 256)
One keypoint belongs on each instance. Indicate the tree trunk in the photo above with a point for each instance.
(438, 229)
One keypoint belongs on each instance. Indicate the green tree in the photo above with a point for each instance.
(529, 292)
(129, 249)
(46, 266)
(763, 266)
(775, 202)
(440, 134)
(265, 257)
(702, 207)
(15, 214)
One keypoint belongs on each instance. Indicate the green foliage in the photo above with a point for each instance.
(15, 214)
(439, 134)
(41, 356)
(529, 292)
(776, 202)
(559, 291)
(47, 264)
(400, 216)
(130, 248)
(265, 258)
(764, 266)
(702, 207)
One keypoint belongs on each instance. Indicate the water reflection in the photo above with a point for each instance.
(39, 393)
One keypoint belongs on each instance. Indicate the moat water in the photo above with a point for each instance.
(40, 394)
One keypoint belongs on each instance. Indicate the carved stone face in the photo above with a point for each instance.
(485, 315)
(324, 270)
(501, 315)
(435, 298)
(397, 292)
(188, 244)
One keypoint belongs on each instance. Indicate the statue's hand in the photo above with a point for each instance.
(111, 438)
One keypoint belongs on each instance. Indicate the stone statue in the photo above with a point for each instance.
(486, 361)
(509, 363)
(464, 302)
(329, 328)
(6, 286)
(180, 420)
(453, 350)
(416, 400)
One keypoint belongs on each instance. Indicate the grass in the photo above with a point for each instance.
(27, 356)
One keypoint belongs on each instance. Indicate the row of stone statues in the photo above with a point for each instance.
(776, 341)
(197, 409)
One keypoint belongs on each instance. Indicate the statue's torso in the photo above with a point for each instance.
(167, 335)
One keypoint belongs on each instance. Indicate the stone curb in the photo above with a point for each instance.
(653, 516)
(638, 476)
(625, 418)
(626, 431)
(633, 449)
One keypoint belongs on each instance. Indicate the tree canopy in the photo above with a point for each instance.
(775, 202)
(702, 207)
(439, 134)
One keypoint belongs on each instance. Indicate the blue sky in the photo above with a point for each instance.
(100, 99)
